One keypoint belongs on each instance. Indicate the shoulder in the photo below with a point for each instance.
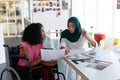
(83, 30)
(25, 44)
(40, 45)
(64, 32)
(63, 39)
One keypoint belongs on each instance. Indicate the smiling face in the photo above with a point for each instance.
(71, 27)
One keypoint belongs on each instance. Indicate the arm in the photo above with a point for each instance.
(88, 37)
(49, 63)
(38, 61)
(62, 44)
(26, 52)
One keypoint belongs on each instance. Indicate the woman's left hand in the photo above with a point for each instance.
(67, 51)
(84, 33)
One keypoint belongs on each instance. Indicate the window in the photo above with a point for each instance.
(102, 14)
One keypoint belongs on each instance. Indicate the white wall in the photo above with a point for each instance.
(105, 19)
(102, 14)
(117, 21)
(85, 10)
(2, 51)
(50, 21)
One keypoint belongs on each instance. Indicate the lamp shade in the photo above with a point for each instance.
(98, 37)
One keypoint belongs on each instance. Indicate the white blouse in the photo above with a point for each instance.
(82, 43)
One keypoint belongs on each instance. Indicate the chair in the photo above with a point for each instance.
(25, 73)
(56, 70)
(12, 71)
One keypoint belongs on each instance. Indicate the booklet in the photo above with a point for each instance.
(91, 52)
(47, 54)
(78, 54)
(99, 64)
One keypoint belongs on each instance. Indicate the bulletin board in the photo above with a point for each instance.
(53, 14)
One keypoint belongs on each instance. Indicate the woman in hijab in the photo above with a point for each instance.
(75, 37)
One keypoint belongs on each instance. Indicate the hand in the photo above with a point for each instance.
(53, 62)
(67, 51)
(49, 63)
(84, 33)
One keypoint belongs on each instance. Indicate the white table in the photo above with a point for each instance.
(112, 72)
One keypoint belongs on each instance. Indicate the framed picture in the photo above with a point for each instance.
(118, 4)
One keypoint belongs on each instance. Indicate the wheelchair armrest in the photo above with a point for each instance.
(21, 57)
(5, 45)
(18, 56)
(36, 67)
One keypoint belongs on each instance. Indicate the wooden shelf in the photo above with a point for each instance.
(3, 1)
(10, 17)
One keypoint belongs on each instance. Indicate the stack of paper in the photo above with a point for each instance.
(48, 55)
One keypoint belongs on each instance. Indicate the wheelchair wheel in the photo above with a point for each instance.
(13, 72)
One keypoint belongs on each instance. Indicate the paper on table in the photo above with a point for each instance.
(48, 55)
(76, 55)
(82, 51)
(98, 64)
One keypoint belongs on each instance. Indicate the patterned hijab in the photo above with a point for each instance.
(72, 37)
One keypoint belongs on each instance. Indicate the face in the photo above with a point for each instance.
(71, 27)
(43, 33)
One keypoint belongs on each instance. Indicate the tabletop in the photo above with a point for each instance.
(103, 67)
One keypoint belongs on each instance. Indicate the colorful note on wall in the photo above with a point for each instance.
(47, 1)
(116, 42)
(40, 1)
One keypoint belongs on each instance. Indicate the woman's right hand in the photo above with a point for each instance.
(49, 63)
(53, 62)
